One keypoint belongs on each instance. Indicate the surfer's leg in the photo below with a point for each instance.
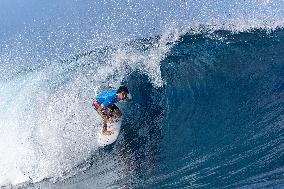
(105, 115)
(116, 111)
(106, 119)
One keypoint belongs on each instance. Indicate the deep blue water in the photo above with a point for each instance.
(221, 114)
(217, 122)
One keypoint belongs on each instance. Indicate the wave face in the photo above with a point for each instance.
(212, 117)
(218, 121)
(223, 119)
(207, 86)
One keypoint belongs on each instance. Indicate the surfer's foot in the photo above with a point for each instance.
(106, 132)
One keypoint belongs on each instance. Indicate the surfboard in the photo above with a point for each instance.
(114, 127)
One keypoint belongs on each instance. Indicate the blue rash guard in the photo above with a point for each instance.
(107, 99)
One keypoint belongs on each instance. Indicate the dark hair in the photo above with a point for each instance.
(122, 89)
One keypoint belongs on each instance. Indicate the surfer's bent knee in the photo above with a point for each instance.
(105, 127)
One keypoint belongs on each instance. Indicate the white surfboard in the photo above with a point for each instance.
(104, 140)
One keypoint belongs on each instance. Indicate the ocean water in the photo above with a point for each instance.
(207, 86)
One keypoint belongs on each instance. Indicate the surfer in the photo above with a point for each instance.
(104, 103)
